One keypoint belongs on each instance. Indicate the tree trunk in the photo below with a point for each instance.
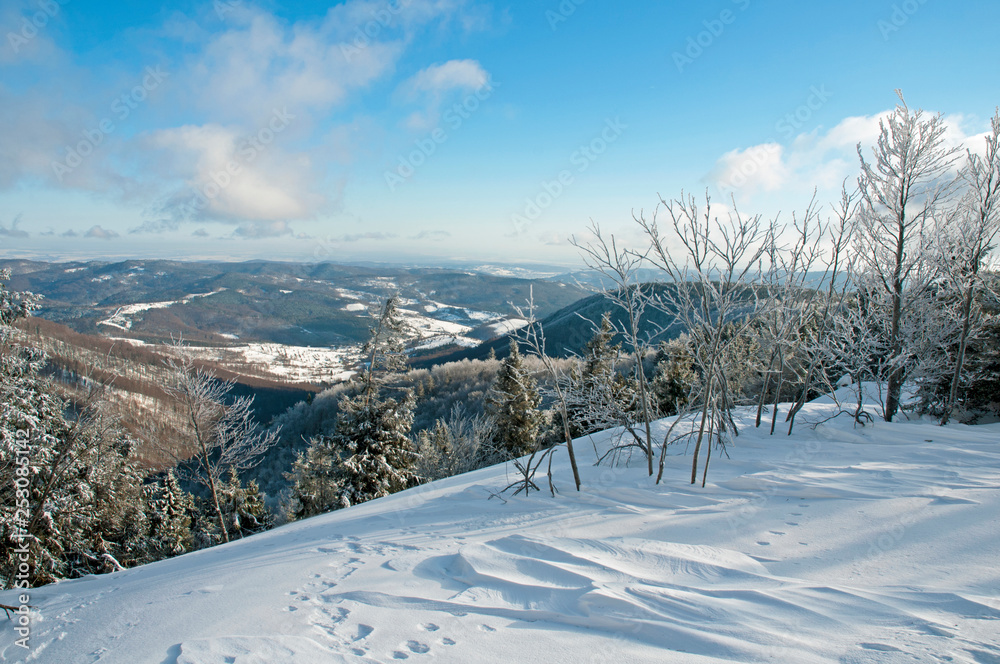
(569, 440)
(215, 494)
(960, 360)
(701, 429)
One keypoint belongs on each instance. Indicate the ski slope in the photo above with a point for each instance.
(839, 544)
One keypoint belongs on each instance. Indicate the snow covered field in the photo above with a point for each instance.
(877, 544)
(293, 363)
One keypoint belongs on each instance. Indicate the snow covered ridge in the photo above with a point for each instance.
(121, 320)
(838, 544)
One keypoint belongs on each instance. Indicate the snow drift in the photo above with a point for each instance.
(838, 544)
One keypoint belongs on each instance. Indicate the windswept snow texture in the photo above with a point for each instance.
(876, 544)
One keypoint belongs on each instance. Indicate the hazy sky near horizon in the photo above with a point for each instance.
(418, 130)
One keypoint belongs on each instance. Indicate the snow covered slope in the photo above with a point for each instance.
(879, 544)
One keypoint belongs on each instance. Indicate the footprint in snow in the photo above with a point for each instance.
(429, 627)
(790, 523)
(776, 532)
(418, 647)
(880, 647)
(364, 631)
(448, 642)
(399, 655)
(762, 543)
(487, 628)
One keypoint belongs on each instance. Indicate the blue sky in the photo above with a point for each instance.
(426, 130)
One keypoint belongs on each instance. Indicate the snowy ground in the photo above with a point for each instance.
(841, 545)
(306, 364)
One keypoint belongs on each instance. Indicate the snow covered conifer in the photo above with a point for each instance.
(244, 507)
(674, 377)
(369, 454)
(513, 403)
(170, 517)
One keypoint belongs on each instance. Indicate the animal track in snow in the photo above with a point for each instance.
(429, 627)
(418, 647)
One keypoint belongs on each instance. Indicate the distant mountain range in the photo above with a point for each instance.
(322, 304)
(568, 330)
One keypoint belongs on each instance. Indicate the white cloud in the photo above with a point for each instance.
(230, 74)
(432, 85)
(229, 176)
(100, 233)
(815, 160)
(262, 229)
(28, 30)
(455, 74)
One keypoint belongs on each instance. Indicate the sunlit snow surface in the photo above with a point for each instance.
(839, 544)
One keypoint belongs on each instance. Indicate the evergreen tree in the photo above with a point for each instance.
(513, 404)
(435, 448)
(170, 517)
(244, 507)
(71, 498)
(378, 456)
(674, 376)
(369, 454)
(599, 396)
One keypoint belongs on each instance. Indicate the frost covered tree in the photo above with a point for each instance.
(456, 445)
(244, 507)
(716, 266)
(965, 248)
(902, 191)
(70, 489)
(223, 435)
(675, 377)
(513, 404)
(170, 517)
(621, 267)
(369, 454)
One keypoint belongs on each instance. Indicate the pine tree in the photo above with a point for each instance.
(369, 454)
(378, 454)
(513, 403)
(674, 377)
(170, 517)
(70, 487)
(434, 450)
(244, 507)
